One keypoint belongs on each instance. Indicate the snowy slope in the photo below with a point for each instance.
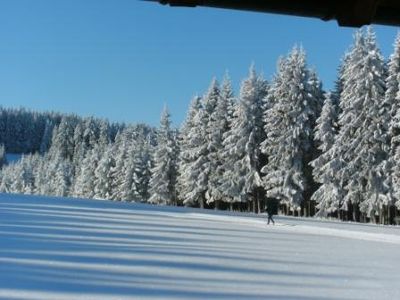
(84, 249)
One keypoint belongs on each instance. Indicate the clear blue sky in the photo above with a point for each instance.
(123, 59)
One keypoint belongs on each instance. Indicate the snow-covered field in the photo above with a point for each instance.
(84, 249)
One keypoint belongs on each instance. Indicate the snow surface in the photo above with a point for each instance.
(57, 248)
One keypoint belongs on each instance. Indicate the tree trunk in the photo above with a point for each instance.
(216, 203)
(201, 203)
(256, 207)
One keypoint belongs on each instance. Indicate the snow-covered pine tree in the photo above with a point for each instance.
(103, 175)
(63, 175)
(118, 172)
(104, 135)
(328, 196)
(62, 143)
(199, 150)
(392, 97)
(135, 182)
(90, 132)
(46, 138)
(228, 96)
(85, 180)
(218, 125)
(19, 177)
(291, 109)
(189, 141)
(6, 179)
(207, 163)
(163, 178)
(43, 176)
(127, 184)
(241, 178)
(142, 169)
(360, 146)
(225, 108)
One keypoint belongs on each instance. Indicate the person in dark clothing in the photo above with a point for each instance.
(272, 209)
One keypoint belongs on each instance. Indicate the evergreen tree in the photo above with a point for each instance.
(327, 196)
(241, 178)
(118, 172)
(224, 117)
(189, 143)
(291, 110)
(142, 170)
(128, 187)
(392, 98)
(63, 175)
(46, 137)
(103, 175)
(360, 146)
(207, 162)
(85, 179)
(163, 179)
(62, 143)
(217, 125)
(42, 179)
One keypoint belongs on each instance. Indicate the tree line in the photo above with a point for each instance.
(331, 154)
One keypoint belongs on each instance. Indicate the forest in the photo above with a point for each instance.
(329, 154)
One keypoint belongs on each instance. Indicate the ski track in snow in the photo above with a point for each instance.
(367, 236)
(57, 248)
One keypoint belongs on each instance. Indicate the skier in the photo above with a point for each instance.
(272, 209)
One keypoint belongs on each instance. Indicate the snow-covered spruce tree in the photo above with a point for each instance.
(135, 182)
(91, 129)
(62, 143)
(163, 178)
(104, 135)
(118, 171)
(396, 177)
(19, 177)
(63, 175)
(135, 174)
(241, 179)
(46, 138)
(360, 149)
(392, 97)
(6, 179)
(218, 125)
(103, 175)
(85, 180)
(328, 196)
(43, 176)
(291, 110)
(199, 152)
(127, 186)
(228, 97)
(338, 87)
(142, 169)
(207, 162)
(225, 108)
(80, 147)
(190, 141)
